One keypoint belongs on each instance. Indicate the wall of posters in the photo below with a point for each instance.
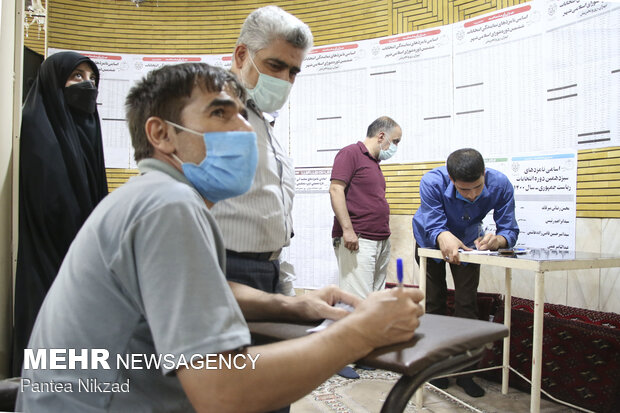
(540, 77)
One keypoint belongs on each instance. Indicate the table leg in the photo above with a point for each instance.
(507, 319)
(539, 305)
(419, 395)
(423, 279)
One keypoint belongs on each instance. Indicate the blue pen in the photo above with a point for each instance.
(399, 272)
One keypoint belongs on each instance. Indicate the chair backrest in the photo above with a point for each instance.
(8, 393)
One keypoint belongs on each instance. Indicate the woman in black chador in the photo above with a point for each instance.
(61, 179)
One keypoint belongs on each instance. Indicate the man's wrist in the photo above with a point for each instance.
(502, 241)
(349, 331)
(441, 236)
(288, 306)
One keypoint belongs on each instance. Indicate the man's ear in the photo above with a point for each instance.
(157, 133)
(381, 137)
(241, 53)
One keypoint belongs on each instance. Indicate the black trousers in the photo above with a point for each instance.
(466, 278)
(262, 275)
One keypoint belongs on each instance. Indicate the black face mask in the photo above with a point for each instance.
(82, 96)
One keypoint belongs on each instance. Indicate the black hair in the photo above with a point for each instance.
(164, 92)
(465, 165)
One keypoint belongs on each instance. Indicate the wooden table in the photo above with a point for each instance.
(540, 261)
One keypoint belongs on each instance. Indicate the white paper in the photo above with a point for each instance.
(478, 252)
(327, 322)
(311, 249)
(498, 100)
(582, 76)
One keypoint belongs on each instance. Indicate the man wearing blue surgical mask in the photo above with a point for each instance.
(144, 279)
(257, 225)
(361, 231)
(454, 199)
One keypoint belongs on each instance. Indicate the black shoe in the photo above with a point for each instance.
(441, 383)
(470, 387)
(348, 373)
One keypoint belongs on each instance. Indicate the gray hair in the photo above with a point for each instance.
(270, 23)
(382, 124)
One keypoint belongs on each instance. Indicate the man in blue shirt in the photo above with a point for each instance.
(454, 200)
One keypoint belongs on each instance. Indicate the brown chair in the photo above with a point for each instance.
(441, 345)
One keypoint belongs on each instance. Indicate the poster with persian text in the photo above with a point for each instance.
(119, 72)
(543, 75)
(545, 187)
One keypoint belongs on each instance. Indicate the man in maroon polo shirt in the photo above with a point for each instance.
(361, 228)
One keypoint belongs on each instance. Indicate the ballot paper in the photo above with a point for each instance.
(327, 322)
(505, 251)
(478, 252)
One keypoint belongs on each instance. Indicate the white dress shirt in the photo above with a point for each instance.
(260, 220)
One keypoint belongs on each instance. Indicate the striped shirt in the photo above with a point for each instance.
(260, 220)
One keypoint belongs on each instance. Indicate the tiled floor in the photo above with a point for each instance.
(367, 394)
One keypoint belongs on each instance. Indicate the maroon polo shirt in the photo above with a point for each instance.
(364, 192)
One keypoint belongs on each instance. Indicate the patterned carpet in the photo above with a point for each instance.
(581, 354)
(344, 395)
(366, 395)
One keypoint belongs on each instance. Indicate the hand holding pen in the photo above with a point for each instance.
(399, 277)
(490, 242)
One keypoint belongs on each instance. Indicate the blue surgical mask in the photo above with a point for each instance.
(270, 93)
(387, 153)
(229, 167)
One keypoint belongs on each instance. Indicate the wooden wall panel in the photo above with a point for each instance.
(211, 27)
(598, 183)
(35, 41)
(402, 185)
(199, 27)
(117, 177)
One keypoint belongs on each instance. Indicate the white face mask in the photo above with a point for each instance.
(270, 93)
(389, 152)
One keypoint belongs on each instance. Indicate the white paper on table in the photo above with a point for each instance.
(478, 252)
(327, 322)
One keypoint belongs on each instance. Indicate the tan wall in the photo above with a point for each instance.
(10, 84)
(198, 26)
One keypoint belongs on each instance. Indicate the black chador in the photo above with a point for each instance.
(61, 180)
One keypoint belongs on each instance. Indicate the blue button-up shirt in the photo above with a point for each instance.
(441, 210)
